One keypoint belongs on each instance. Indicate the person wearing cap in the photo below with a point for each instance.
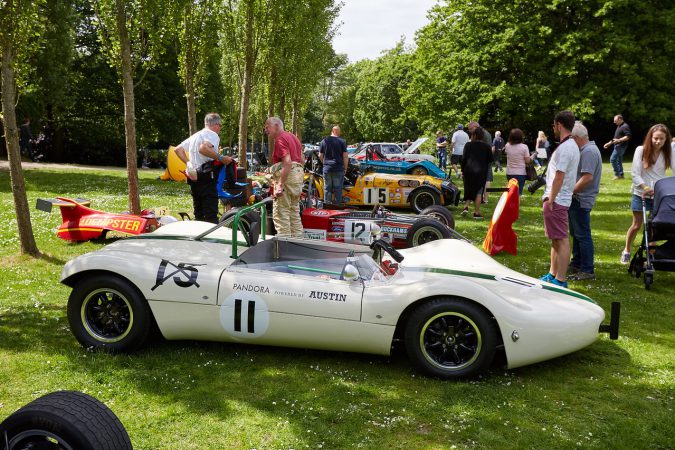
(202, 148)
(459, 140)
(442, 150)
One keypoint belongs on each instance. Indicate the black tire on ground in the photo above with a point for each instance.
(419, 170)
(107, 312)
(440, 213)
(426, 230)
(422, 198)
(649, 280)
(450, 338)
(65, 419)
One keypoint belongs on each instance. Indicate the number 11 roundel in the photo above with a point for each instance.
(245, 315)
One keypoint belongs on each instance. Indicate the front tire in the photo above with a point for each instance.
(108, 313)
(440, 213)
(64, 420)
(450, 338)
(424, 197)
(426, 230)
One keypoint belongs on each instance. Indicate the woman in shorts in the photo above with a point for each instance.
(650, 162)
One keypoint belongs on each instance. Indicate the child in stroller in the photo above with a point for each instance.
(659, 227)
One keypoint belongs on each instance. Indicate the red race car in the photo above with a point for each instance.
(352, 226)
(81, 223)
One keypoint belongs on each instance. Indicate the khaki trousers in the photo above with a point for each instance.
(286, 207)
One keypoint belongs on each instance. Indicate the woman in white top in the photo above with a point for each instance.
(542, 145)
(650, 162)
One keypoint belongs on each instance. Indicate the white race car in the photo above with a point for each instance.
(453, 306)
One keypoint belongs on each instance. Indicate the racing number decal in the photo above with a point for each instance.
(372, 196)
(357, 232)
(250, 323)
(244, 314)
(187, 270)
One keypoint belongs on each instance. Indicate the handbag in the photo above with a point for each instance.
(530, 172)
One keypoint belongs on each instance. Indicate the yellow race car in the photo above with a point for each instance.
(393, 190)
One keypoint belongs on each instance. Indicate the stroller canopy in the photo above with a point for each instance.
(662, 219)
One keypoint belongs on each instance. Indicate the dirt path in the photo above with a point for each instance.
(4, 166)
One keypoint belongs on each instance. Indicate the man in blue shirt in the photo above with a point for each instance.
(335, 159)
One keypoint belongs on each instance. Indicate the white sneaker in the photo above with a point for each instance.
(625, 258)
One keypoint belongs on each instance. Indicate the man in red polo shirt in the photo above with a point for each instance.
(288, 178)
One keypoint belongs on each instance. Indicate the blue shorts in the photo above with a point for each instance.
(636, 203)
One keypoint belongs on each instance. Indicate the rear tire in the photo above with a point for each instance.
(450, 338)
(423, 198)
(426, 230)
(106, 312)
(65, 419)
(419, 170)
(440, 213)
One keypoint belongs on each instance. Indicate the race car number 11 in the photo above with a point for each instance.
(372, 196)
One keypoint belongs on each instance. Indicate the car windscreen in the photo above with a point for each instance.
(391, 149)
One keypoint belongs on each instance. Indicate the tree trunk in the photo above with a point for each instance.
(129, 109)
(270, 111)
(26, 238)
(190, 98)
(246, 86)
(190, 82)
(296, 118)
(282, 109)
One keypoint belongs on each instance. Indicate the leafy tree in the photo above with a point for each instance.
(516, 62)
(197, 27)
(379, 113)
(131, 31)
(338, 95)
(21, 25)
(245, 31)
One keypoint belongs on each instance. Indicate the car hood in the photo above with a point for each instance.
(415, 145)
(468, 261)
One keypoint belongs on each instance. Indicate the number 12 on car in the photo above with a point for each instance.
(372, 196)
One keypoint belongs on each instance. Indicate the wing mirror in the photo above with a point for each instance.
(351, 273)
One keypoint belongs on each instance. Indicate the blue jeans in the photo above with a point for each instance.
(521, 181)
(582, 242)
(442, 154)
(332, 187)
(617, 160)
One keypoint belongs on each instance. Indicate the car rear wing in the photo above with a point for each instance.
(47, 204)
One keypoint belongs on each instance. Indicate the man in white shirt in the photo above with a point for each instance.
(459, 140)
(561, 177)
(202, 148)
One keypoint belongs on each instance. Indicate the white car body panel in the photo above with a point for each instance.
(201, 294)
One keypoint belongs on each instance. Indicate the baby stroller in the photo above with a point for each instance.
(659, 227)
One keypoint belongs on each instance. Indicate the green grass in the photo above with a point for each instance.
(613, 394)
